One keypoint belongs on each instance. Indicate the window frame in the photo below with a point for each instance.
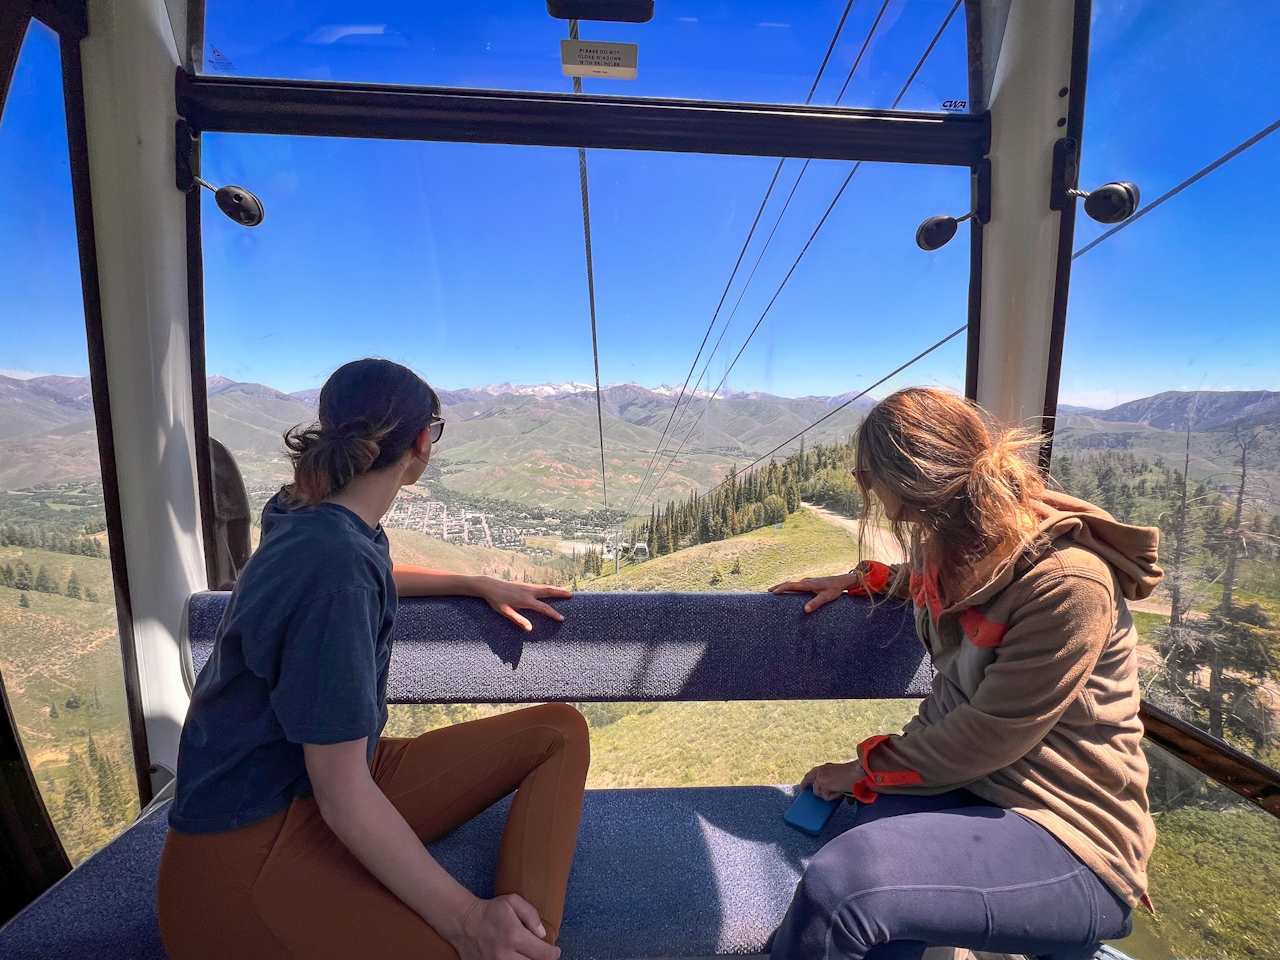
(447, 114)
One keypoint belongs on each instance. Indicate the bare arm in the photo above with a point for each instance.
(504, 596)
(359, 813)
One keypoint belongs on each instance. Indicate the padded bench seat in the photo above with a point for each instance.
(679, 872)
(687, 872)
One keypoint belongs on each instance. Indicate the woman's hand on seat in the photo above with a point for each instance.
(833, 780)
(504, 928)
(509, 598)
(825, 588)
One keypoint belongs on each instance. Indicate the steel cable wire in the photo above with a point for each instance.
(1234, 152)
(902, 93)
(591, 285)
(677, 412)
(657, 451)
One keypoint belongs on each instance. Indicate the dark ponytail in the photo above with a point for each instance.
(371, 411)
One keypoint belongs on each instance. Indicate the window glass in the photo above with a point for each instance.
(1215, 872)
(467, 263)
(1169, 413)
(762, 51)
(699, 744)
(59, 646)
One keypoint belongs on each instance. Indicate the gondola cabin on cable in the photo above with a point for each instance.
(639, 479)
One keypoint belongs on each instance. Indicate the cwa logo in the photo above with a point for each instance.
(955, 104)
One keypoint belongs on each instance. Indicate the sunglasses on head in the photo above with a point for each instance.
(435, 429)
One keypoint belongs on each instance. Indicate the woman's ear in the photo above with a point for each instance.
(422, 445)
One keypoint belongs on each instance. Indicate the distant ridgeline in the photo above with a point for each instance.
(758, 498)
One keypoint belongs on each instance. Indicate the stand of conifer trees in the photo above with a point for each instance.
(757, 498)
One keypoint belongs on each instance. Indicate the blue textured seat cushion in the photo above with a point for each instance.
(637, 646)
(659, 873)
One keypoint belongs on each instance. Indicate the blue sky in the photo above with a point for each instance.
(466, 261)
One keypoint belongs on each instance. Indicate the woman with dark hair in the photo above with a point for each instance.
(1011, 813)
(296, 829)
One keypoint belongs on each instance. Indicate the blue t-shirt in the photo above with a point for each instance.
(300, 657)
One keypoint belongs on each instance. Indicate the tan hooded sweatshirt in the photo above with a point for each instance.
(1034, 706)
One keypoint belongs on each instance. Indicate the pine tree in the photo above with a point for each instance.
(53, 711)
(110, 803)
(44, 584)
(736, 569)
(89, 595)
(73, 586)
(7, 575)
(23, 601)
(22, 577)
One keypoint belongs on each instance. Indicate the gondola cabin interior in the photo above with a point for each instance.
(661, 256)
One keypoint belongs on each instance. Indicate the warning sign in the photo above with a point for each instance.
(583, 58)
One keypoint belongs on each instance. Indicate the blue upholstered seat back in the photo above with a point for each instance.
(638, 646)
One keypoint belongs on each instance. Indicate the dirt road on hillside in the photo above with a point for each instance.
(883, 547)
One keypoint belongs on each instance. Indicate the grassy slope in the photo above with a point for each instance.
(688, 744)
(55, 650)
(1215, 882)
(805, 546)
(408, 546)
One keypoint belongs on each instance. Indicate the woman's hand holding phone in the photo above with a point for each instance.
(832, 780)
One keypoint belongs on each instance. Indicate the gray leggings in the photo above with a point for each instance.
(950, 870)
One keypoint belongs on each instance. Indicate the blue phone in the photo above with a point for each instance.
(809, 814)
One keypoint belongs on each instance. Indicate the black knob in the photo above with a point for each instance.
(936, 232)
(1113, 202)
(240, 205)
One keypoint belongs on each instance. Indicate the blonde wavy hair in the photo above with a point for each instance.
(966, 482)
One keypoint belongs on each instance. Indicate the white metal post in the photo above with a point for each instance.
(130, 58)
(1020, 244)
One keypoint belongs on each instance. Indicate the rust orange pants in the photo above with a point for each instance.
(287, 887)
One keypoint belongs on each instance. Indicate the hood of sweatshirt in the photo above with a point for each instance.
(1132, 552)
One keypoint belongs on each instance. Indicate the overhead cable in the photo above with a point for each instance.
(858, 396)
(1260, 135)
(677, 412)
(897, 100)
(591, 284)
(657, 451)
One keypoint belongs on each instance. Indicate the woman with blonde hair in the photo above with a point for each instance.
(1011, 814)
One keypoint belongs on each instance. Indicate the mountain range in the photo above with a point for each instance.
(540, 443)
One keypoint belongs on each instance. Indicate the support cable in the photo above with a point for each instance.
(1230, 154)
(591, 284)
(657, 452)
(840, 192)
(858, 396)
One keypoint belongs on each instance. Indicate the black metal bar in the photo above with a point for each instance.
(1066, 230)
(14, 20)
(980, 204)
(305, 108)
(78, 147)
(69, 19)
(1219, 761)
(189, 168)
(31, 856)
(974, 333)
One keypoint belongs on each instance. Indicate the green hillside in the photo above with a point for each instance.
(410, 547)
(805, 546)
(60, 660)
